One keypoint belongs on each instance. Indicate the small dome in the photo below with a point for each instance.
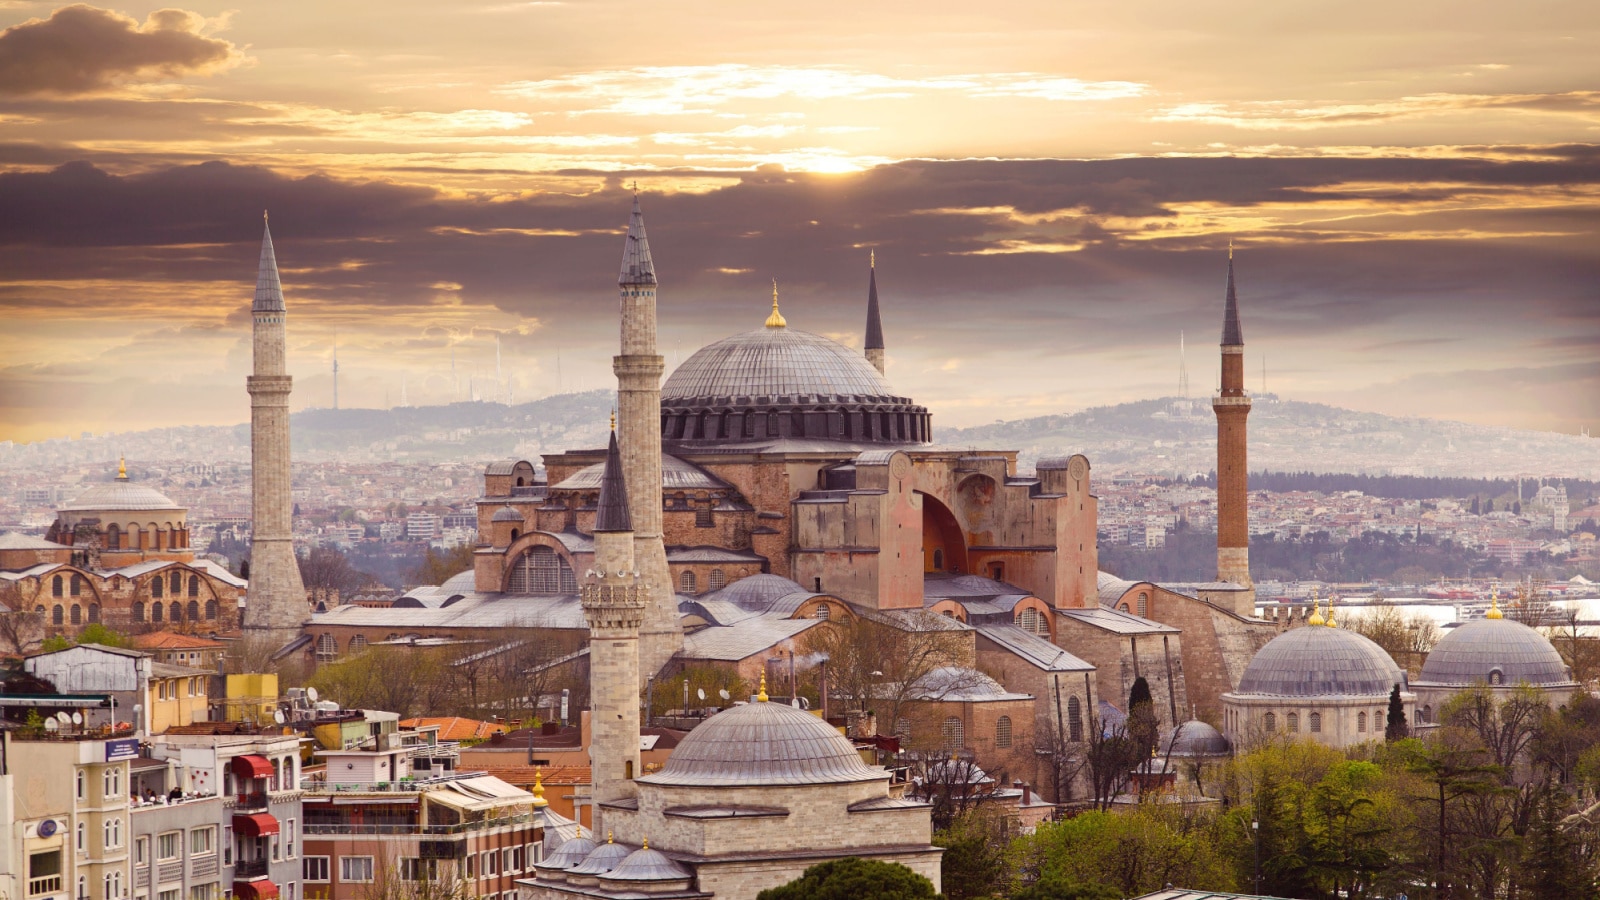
(571, 854)
(1317, 661)
(648, 865)
(763, 744)
(757, 592)
(1196, 738)
(1471, 652)
(461, 581)
(952, 683)
(121, 495)
(774, 362)
(506, 514)
(603, 859)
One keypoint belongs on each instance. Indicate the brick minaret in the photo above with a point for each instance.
(275, 605)
(874, 337)
(614, 601)
(1232, 406)
(638, 369)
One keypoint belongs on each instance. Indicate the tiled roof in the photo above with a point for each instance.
(12, 540)
(455, 728)
(171, 640)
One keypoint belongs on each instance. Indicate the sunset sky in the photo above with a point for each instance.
(1413, 191)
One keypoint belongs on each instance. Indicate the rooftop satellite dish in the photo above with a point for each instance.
(311, 694)
(701, 692)
(63, 718)
(52, 726)
(277, 716)
(77, 718)
(724, 694)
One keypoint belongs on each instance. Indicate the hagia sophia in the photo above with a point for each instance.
(772, 487)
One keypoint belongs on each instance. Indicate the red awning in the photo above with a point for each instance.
(252, 766)
(255, 825)
(255, 890)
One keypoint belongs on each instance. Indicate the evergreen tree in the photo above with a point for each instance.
(1476, 509)
(1516, 508)
(1488, 505)
(1143, 724)
(853, 878)
(1554, 863)
(1396, 728)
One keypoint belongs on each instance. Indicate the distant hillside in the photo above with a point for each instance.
(1178, 437)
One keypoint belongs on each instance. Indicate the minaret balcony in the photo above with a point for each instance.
(1220, 400)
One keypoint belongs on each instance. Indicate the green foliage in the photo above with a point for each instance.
(56, 642)
(974, 863)
(1060, 887)
(98, 633)
(853, 878)
(1395, 727)
(1134, 851)
(438, 565)
(668, 692)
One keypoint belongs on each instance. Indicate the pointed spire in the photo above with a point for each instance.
(1232, 335)
(538, 789)
(761, 696)
(637, 269)
(776, 320)
(874, 339)
(122, 468)
(269, 292)
(612, 512)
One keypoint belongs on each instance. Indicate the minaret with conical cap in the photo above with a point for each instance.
(1232, 406)
(275, 604)
(638, 368)
(614, 603)
(874, 337)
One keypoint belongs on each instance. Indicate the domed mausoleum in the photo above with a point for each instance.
(1318, 681)
(749, 800)
(1493, 651)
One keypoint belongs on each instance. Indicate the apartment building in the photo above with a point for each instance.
(64, 829)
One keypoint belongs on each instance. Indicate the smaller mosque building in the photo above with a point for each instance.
(1320, 682)
(1495, 652)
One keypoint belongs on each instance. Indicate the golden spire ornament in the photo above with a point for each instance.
(1316, 611)
(775, 320)
(1494, 606)
(122, 468)
(1331, 622)
(761, 695)
(538, 788)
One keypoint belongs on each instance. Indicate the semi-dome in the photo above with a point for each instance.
(506, 514)
(774, 362)
(121, 495)
(1477, 650)
(763, 743)
(779, 383)
(1318, 661)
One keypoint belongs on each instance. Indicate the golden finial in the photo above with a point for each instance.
(122, 468)
(538, 788)
(761, 695)
(613, 420)
(872, 256)
(611, 837)
(647, 843)
(1331, 622)
(263, 215)
(1494, 606)
(775, 320)
(1316, 611)
(1230, 248)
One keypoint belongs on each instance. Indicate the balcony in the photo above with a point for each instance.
(246, 869)
(254, 801)
(47, 884)
(461, 828)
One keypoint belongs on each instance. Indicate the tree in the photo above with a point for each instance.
(409, 681)
(1395, 728)
(1135, 851)
(853, 878)
(439, 565)
(974, 863)
(1558, 857)
(327, 569)
(1110, 759)
(1144, 726)
(20, 630)
(1061, 887)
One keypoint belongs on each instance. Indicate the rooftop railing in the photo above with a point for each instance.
(460, 828)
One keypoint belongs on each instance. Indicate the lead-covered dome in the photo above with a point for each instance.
(763, 743)
(121, 495)
(1318, 661)
(778, 383)
(1481, 648)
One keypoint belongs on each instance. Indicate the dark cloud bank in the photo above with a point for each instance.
(81, 49)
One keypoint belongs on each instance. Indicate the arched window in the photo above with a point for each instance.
(156, 609)
(540, 570)
(1496, 677)
(358, 643)
(1031, 621)
(686, 583)
(1316, 723)
(1074, 719)
(1144, 604)
(175, 611)
(177, 583)
(77, 585)
(1361, 721)
(194, 610)
(327, 647)
(211, 609)
(194, 585)
(113, 537)
(938, 560)
(138, 610)
(824, 610)
(954, 733)
(1294, 723)
(1124, 608)
(157, 586)
(76, 614)
(1270, 721)
(94, 612)
(57, 586)
(1427, 714)
(1002, 731)
(717, 581)
(58, 616)
(902, 727)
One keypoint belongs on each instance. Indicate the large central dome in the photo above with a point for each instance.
(774, 362)
(780, 384)
(1317, 661)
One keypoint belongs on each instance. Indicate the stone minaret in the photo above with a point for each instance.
(638, 370)
(1232, 406)
(275, 605)
(614, 602)
(874, 338)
